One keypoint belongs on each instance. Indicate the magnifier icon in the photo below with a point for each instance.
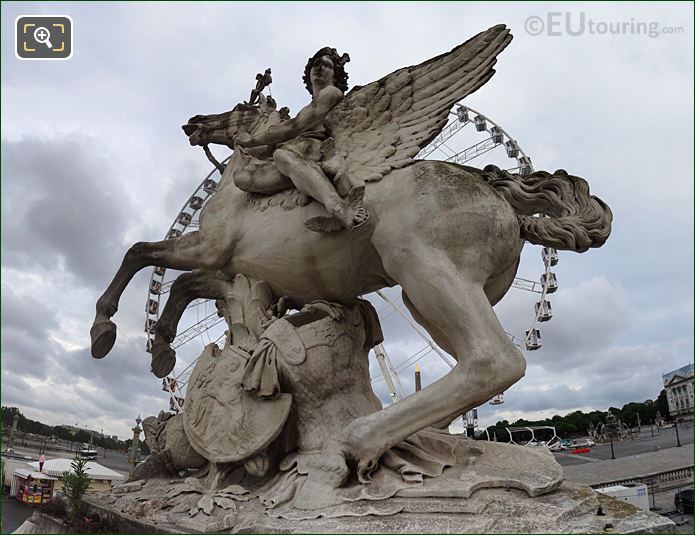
(42, 35)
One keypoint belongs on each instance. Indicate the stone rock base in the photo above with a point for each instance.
(572, 508)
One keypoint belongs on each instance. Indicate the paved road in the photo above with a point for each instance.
(642, 464)
(14, 513)
(664, 439)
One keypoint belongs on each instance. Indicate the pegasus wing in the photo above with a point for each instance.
(383, 125)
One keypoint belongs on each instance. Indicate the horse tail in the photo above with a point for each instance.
(576, 220)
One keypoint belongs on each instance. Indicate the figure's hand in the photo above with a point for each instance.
(334, 310)
(268, 320)
(242, 139)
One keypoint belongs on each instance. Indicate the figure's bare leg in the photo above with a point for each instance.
(267, 181)
(453, 301)
(308, 177)
(185, 253)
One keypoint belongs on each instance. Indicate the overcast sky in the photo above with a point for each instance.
(93, 159)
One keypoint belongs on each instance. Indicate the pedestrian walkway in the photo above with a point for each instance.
(643, 464)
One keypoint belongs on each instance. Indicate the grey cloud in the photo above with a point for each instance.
(26, 314)
(24, 355)
(114, 388)
(559, 397)
(61, 206)
(586, 317)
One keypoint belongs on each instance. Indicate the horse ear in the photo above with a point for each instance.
(561, 172)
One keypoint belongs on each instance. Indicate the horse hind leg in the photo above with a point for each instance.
(186, 288)
(438, 336)
(185, 253)
(450, 302)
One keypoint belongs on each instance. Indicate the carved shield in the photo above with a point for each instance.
(223, 422)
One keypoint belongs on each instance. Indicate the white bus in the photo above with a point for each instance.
(88, 454)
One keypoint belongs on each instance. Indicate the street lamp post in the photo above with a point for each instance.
(678, 438)
(610, 435)
(135, 446)
(15, 420)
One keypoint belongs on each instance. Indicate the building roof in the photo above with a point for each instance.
(59, 467)
(684, 372)
(25, 473)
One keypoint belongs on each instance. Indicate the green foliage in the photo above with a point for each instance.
(662, 404)
(75, 485)
(81, 436)
(54, 507)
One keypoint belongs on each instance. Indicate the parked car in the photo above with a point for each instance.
(683, 500)
(557, 446)
(582, 443)
(534, 443)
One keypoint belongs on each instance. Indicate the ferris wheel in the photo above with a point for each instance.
(469, 137)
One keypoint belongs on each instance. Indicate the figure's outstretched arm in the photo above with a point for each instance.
(310, 117)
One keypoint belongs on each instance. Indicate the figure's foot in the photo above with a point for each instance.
(349, 214)
(163, 359)
(103, 335)
(353, 213)
(258, 464)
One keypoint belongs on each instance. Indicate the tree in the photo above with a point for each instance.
(662, 405)
(82, 436)
(75, 485)
(8, 414)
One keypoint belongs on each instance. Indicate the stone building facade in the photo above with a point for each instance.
(679, 392)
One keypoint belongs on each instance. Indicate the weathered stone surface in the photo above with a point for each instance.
(571, 508)
(179, 447)
(132, 486)
(215, 395)
(485, 464)
(42, 523)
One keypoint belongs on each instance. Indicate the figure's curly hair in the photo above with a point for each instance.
(339, 75)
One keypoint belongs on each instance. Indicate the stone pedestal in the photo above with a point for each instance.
(572, 508)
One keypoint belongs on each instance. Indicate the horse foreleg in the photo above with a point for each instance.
(185, 253)
(186, 288)
(450, 302)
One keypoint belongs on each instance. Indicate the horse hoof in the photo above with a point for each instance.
(103, 334)
(163, 360)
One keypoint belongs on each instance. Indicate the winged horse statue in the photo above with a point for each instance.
(449, 235)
